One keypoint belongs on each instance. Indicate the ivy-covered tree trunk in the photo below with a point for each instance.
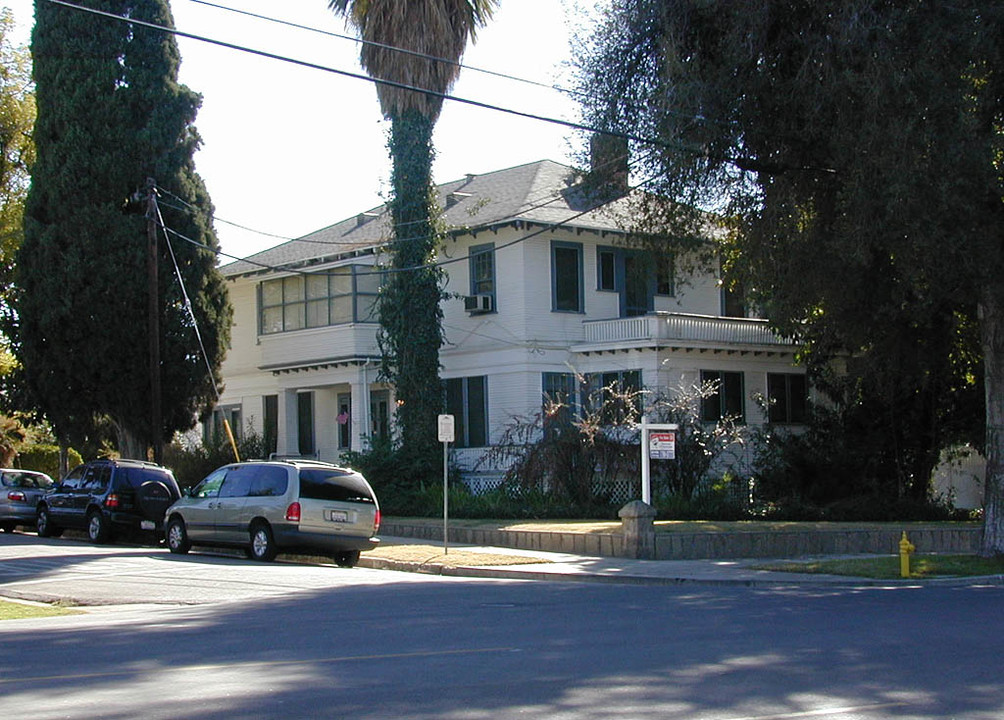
(410, 311)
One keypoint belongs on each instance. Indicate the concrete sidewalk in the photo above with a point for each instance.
(559, 567)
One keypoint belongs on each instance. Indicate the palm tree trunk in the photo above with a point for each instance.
(410, 312)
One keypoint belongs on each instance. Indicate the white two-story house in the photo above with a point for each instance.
(542, 287)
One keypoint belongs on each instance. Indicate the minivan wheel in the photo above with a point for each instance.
(97, 528)
(46, 528)
(347, 559)
(177, 537)
(262, 543)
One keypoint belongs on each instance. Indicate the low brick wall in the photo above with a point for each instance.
(712, 545)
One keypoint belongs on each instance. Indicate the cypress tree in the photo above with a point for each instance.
(111, 114)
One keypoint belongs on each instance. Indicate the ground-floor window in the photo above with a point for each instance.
(787, 395)
(727, 399)
(614, 394)
(467, 402)
(565, 395)
(213, 432)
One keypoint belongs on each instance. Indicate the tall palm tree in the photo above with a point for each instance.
(433, 35)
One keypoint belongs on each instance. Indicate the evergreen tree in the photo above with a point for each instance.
(110, 115)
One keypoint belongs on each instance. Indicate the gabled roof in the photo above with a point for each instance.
(539, 193)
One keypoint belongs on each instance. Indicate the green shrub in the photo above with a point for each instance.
(45, 458)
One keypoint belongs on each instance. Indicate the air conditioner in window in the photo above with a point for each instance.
(480, 303)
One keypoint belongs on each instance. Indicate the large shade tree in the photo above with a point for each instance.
(413, 44)
(858, 145)
(111, 114)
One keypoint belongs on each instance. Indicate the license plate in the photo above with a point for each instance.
(147, 525)
(339, 516)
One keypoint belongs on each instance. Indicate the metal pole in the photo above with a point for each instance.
(446, 499)
(153, 321)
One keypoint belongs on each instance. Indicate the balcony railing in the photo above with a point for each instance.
(662, 328)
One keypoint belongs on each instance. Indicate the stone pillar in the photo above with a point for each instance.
(638, 529)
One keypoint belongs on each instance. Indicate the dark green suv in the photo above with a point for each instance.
(104, 497)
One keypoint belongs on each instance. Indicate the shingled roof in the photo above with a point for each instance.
(542, 193)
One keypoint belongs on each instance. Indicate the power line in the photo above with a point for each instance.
(403, 51)
(424, 56)
(355, 75)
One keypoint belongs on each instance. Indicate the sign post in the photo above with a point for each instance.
(658, 441)
(447, 434)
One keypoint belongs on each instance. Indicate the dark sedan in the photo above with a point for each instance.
(20, 491)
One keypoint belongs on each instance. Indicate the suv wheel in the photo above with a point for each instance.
(262, 543)
(97, 528)
(177, 537)
(347, 559)
(46, 528)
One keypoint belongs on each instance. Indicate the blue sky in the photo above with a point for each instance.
(288, 150)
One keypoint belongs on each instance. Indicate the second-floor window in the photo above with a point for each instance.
(566, 277)
(482, 267)
(332, 297)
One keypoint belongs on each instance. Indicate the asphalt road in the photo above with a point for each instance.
(242, 640)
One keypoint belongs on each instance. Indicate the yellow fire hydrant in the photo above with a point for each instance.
(905, 548)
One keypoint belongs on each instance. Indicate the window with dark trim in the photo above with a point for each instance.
(727, 399)
(213, 431)
(467, 402)
(615, 393)
(332, 297)
(665, 272)
(787, 397)
(566, 277)
(482, 269)
(606, 269)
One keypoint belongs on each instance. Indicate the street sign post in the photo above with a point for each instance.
(447, 434)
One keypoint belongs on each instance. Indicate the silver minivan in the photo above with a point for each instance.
(278, 505)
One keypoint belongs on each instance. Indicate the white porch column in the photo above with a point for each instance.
(287, 439)
(360, 389)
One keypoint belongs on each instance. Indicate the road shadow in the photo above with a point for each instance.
(449, 648)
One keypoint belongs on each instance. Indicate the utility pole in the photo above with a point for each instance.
(153, 320)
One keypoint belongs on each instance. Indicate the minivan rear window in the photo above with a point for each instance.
(331, 484)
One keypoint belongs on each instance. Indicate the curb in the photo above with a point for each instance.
(830, 581)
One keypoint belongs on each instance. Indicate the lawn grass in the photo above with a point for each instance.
(18, 611)
(888, 567)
